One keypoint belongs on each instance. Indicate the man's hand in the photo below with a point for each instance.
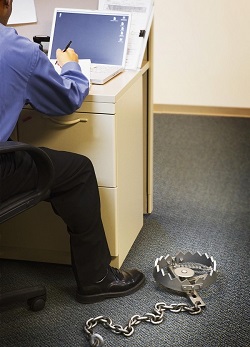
(65, 57)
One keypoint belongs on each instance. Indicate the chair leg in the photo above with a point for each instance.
(34, 296)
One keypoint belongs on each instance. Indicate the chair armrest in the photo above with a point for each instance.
(45, 169)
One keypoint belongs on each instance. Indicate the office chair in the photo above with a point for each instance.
(35, 296)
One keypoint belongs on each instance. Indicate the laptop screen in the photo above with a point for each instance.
(99, 36)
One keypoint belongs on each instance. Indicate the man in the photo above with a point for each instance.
(27, 76)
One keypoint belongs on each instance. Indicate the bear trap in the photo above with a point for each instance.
(186, 273)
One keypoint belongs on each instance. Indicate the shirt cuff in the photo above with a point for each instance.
(71, 65)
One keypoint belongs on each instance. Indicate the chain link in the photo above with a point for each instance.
(155, 318)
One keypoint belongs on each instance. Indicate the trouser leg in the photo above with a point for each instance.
(18, 174)
(75, 198)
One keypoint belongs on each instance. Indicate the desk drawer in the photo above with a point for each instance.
(92, 135)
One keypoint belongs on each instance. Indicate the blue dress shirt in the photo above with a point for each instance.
(27, 76)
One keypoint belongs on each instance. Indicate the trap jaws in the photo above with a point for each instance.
(186, 273)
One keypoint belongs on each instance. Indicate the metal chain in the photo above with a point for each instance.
(155, 318)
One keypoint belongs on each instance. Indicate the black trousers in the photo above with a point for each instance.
(75, 198)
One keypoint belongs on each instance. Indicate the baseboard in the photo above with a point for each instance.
(201, 110)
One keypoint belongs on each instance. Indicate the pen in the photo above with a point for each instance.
(65, 49)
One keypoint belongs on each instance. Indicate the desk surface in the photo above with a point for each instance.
(117, 86)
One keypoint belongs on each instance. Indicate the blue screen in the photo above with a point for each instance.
(98, 37)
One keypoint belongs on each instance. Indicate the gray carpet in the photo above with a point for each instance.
(201, 203)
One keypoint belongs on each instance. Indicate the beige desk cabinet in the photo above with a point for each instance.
(110, 128)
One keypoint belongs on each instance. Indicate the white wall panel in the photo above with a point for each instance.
(202, 52)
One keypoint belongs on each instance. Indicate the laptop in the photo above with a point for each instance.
(98, 36)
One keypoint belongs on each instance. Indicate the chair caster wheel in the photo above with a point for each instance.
(36, 304)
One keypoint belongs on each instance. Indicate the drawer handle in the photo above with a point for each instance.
(66, 122)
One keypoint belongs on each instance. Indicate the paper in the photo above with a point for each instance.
(85, 65)
(142, 14)
(23, 11)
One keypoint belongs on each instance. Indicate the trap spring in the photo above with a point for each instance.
(185, 273)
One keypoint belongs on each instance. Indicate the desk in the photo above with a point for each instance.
(111, 128)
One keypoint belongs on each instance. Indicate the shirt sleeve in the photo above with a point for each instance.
(55, 94)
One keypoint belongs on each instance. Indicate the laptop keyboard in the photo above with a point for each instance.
(99, 68)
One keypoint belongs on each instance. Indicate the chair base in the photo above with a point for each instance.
(34, 296)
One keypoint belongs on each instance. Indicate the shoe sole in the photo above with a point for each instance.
(90, 299)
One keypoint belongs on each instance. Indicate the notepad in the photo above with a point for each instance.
(85, 65)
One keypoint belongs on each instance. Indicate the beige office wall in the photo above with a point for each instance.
(202, 53)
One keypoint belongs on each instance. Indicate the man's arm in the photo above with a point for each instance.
(55, 94)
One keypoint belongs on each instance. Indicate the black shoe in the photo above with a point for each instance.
(115, 284)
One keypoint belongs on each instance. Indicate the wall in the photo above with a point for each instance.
(44, 11)
(202, 53)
